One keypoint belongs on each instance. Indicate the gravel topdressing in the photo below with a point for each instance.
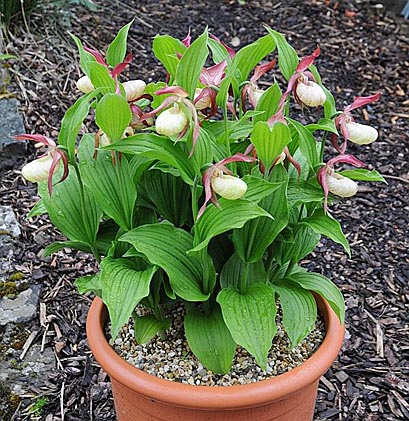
(173, 360)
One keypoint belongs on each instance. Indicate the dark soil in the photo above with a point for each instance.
(364, 49)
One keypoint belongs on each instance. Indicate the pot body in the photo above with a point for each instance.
(140, 396)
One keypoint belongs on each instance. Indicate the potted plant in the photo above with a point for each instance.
(204, 191)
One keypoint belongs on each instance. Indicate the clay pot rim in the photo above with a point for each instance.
(214, 397)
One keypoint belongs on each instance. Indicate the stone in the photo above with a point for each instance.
(20, 309)
(8, 222)
(11, 150)
(32, 371)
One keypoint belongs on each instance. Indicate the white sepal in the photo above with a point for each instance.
(340, 185)
(310, 93)
(134, 89)
(85, 85)
(171, 121)
(257, 94)
(38, 169)
(104, 140)
(229, 187)
(281, 158)
(361, 134)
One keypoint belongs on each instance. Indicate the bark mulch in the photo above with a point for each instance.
(364, 50)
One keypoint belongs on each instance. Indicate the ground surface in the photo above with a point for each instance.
(363, 50)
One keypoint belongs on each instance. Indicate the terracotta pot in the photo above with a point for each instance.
(140, 396)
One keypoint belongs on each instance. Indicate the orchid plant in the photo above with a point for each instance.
(203, 189)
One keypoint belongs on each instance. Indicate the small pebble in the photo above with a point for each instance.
(173, 360)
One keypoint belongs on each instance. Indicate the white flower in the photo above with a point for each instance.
(171, 121)
(134, 89)
(104, 140)
(85, 85)
(310, 93)
(38, 169)
(361, 134)
(340, 185)
(281, 158)
(227, 186)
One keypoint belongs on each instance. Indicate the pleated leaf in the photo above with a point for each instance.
(89, 283)
(167, 246)
(325, 224)
(250, 318)
(166, 50)
(259, 188)
(307, 143)
(268, 103)
(232, 214)
(234, 270)
(210, 339)
(112, 187)
(270, 141)
(251, 241)
(158, 148)
(146, 327)
(300, 191)
(299, 310)
(287, 56)
(113, 124)
(101, 78)
(65, 209)
(191, 64)
(361, 174)
(324, 287)
(123, 287)
(117, 49)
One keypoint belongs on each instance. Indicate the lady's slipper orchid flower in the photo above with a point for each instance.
(172, 121)
(134, 89)
(101, 139)
(251, 89)
(360, 134)
(336, 183)
(219, 179)
(211, 78)
(44, 167)
(178, 96)
(85, 85)
(309, 93)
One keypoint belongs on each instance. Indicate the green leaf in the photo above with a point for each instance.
(235, 269)
(215, 221)
(258, 188)
(287, 56)
(157, 148)
(270, 142)
(72, 122)
(203, 152)
(123, 286)
(101, 78)
(299, 310)
(210, 339)
(146, 327)
(268, 103)
(59, 245)
(301, 191)
(242, 64)
(325, 224)
(323, 124)
(250, 318)
(191, 65)
(117, 49)
(112, 187)
(219, 52)
(169, 196)
(251, 241)
(113, 124)
(167, 246)
(89, 283)
(361, 174)
(85, 57)
(307, 143)
(38, 209)
(166, 50)
(323, 286)
(67, 210)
